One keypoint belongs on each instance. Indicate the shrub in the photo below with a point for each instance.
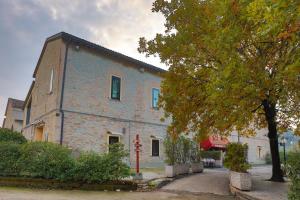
(268, 158)
(45, 160)
(236, 157)
(211, 154)
(7, 135)
(170, 148)
(96, 168)
(9, 155)
(293, 172)
(195, 153)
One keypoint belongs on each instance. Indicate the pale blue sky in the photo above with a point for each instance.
(25, 24)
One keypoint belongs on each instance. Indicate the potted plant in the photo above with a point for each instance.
(170, 153)
(236, 161)
(183, 155)
(196, 162)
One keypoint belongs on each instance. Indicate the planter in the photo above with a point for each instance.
(182, 169)
(241, 181)
(170, 170)
(197, 167)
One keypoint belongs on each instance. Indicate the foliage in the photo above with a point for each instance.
(196, 153)
(9, 155)
(211, 154)
(170, 148)
(293, 172)
(45, 160)
(236, 157)
(7, 135)
(95, 168)
(181, 150)
(233, 65)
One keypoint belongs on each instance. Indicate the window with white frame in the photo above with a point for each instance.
(51, 81)
(155, 147)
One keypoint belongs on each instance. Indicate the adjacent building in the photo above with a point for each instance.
(13, 118)
(85, 96)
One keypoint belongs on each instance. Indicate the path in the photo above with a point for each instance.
(32, 194)
(210, 181)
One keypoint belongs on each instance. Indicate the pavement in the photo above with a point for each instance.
(212, 184)
(34, 194)
(264, 189)
(214, 181)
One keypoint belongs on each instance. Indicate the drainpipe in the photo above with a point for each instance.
(62, 96)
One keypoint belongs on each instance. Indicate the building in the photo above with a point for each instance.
(258, 146)
(85, 96)
(13, 115)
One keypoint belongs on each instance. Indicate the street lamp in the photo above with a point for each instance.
(282, 143)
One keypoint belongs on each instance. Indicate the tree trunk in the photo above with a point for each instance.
(270, 113)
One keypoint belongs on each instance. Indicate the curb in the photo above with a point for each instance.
(240, 195)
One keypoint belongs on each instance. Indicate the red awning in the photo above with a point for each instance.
(214, 141)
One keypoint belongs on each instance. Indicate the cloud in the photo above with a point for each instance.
(24, 26)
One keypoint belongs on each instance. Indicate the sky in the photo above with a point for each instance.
(25, 24)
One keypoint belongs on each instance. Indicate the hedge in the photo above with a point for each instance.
(293, 171)
(211, 154)
(54, 162)
(45, 160)
(7, 135)
(9, 155)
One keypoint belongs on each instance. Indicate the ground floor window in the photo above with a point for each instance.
(155, 147)
(113, 140)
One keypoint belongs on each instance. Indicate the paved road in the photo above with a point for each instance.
(30, 194)
(214, 181)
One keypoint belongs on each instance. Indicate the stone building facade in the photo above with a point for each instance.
(13, 115)
(72, 100)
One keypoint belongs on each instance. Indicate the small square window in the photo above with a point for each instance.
(115, 87)
(155, 95)
(155, 147)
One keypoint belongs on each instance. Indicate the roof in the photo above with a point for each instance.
(113, 54)
(16, 103)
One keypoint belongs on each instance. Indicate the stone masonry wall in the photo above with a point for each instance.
(44, 104)
(90, 113)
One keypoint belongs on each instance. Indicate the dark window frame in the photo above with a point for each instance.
(28, 112)
(118, 97)
(153, 98)
(155, 153)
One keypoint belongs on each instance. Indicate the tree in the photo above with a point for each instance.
(233, 65)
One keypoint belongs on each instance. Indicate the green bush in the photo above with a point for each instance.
(236, 157)
(45, 160)
(268, 158)
(196, 154)
(96, 168)
(211, 154)
(170, 148)
(7, 135)
(293, 171)
(9, 155)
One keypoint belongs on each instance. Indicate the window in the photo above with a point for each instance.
(155, 95)
(259, 152)
(28, 110)
(51, 81)
(113, 140)
(155, 147)
(115, 87)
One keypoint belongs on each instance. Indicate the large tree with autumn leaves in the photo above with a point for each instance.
(233, 65)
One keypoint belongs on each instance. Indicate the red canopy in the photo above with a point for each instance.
(215, 142)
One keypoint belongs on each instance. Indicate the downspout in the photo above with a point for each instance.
(62, 96)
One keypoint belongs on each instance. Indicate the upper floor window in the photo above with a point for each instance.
(51, 81)
(115, 87)
(155, 95)
(28, 110)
